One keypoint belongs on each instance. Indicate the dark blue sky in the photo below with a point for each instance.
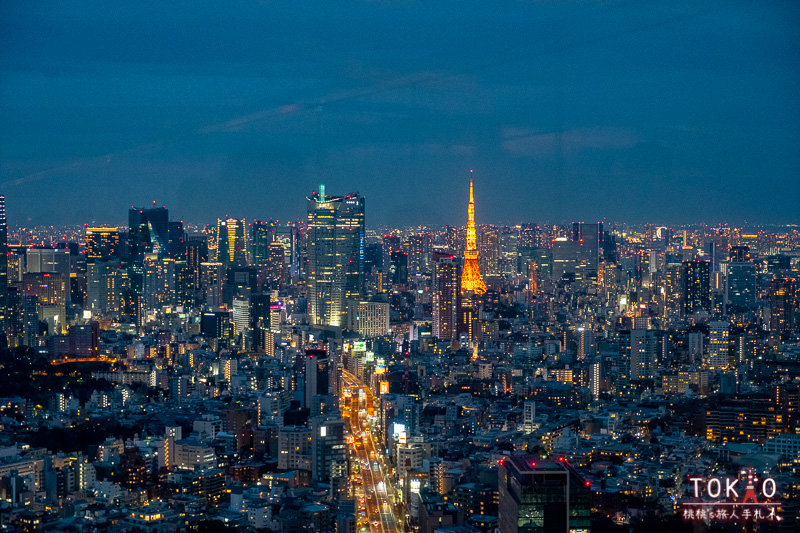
(666, 112)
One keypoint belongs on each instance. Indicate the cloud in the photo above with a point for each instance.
(532, 143)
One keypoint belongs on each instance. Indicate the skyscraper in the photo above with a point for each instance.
(148, 232)
(335, 271)
(471, 275)
(781, 303)
(3, 264)
(261, 236)
(489, 247)
(718, 344)
(328, 449)
(740, 284)
(696, 286)
(317, 378)
(158, 282)
(589, 239)
(445, 295)
(232, 242)
(640, 345)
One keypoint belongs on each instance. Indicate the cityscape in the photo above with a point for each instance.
(319, 375)
(378, 266)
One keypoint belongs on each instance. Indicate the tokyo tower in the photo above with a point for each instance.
(471, 276)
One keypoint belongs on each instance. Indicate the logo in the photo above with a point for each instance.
(746, 498)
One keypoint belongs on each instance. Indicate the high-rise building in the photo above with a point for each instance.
(509, 244)
(391, 244)
(30, 319)
(259, 319)
(148, 232)
(317, 375)
(106, 283)
(51, 290)
(241, 321)
(158, 287)
(673, 289)
(718, 344)
(567, 258)
(328, 449)
(740, 284)
(640, 345)
(471, 275)
(232, 242)
(781, 303)
(696, 286)
(335, 270)
(589, 240)
(398, 271)
(212, 283)
(261, 236)
(370, 319)
(102, 244)
(196, 254)
(489, 250)
(541, 496)
(177, 240)
(445, 295)
(584, 338)
(272, 271)
(3, 264)
(419, 253)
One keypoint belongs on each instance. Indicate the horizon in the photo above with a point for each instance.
(564, 110)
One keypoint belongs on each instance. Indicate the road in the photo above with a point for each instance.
(373, 494)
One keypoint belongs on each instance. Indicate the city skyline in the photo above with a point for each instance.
(577, 111)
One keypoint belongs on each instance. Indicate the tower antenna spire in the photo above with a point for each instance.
(471, 276)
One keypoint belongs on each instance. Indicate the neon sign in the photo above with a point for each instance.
(746, 498)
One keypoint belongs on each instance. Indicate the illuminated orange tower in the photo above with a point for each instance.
(471, 275)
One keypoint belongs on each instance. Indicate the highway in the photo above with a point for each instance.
(373, 493)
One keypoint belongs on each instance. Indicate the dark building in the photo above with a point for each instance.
(177, 245)
(590, 240)
(399, 268)
(373, 258)
(781, 303)
(446, 275)
(148, 232)
(196, 250)
(242, 281)
(261, 236)
(696, 286)
(259, 318)
(215, 325)
(316, 375)
(741, 284)
(84, 340)
(541, 496)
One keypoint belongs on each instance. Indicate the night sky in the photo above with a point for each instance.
(667, 112)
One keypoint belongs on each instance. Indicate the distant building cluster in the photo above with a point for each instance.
(322, 375)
